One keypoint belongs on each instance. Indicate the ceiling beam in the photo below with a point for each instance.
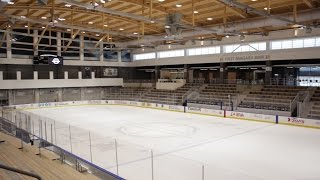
(74, 35)
(101, 39)
(309, 3)
(41, 36)
(61, 25)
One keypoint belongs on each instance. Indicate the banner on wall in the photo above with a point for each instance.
(244, 58)
(110, 72)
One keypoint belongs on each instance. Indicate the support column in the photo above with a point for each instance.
(223, 72)
(18, 75)
(93, 75)
(185, 73)
(36, 95)
(82, 94)
(10, 97)
(79, 75)
(59, 94)
(190, 72)
(35, 40)
(268, 74)
(101, 58)
(156, 73)
(51, 75)
(9, 46)
(1, 75)
(59, 43)
(66, 75)
(119, 56)
(81, 48)
(35, 75)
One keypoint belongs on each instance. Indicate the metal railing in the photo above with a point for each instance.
(16, 170)
(45, 133)
(293, 82)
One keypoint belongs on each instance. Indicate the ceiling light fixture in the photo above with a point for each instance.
(10, 2)
(23, 16)
(97, 35)
(178, 5)
(209, 18)
(43, 17)
(43, 27)
(106, 25)
(67, 5)
(135, 33)
(61, 19)
(227, 36)
(90, 22)
(121, 29)
(167, 26)
(195, 12)
(26, 26)
(266, 8)
(69, 30)
(161, 0)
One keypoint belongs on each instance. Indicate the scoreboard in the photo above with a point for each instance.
(48, 59)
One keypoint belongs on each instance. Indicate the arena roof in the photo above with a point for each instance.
(139, 21)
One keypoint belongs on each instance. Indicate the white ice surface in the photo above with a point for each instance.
(182, 144)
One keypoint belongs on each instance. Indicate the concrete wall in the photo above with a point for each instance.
(19, 83)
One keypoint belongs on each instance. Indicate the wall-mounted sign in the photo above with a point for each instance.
(245, 58)
(110, 72)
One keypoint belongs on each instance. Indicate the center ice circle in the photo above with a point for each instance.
(157, 130)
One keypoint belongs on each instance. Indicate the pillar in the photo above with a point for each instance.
(268, 74)
(1, 75)
(51, 75)
(119, 56)
(35, 40)
(59, 94)
(10, 97)
(81, 48)
(190, 72)
(59, 43)
(82, 94)
(18, 75)
(93, 75)
(185, 72)
(9, 46)
(79, 75)
(36, 95)
(156, 73)
(35, 75)
(101, 57)
(223, 72)
(66, 75)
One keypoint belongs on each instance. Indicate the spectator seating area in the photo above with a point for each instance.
(125, 93)
(315, 107)
(214, 94)
(271, 97)
(27, 160)
(167, 96)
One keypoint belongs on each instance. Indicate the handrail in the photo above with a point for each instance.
(293, 103)
(2, 166)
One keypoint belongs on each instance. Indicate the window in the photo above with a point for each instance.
(295, 43)
(203, 51)
(144, 56)
(173, 53)
(261, 46)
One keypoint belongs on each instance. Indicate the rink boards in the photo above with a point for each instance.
(185, 109)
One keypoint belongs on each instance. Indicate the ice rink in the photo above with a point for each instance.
(184, 146)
